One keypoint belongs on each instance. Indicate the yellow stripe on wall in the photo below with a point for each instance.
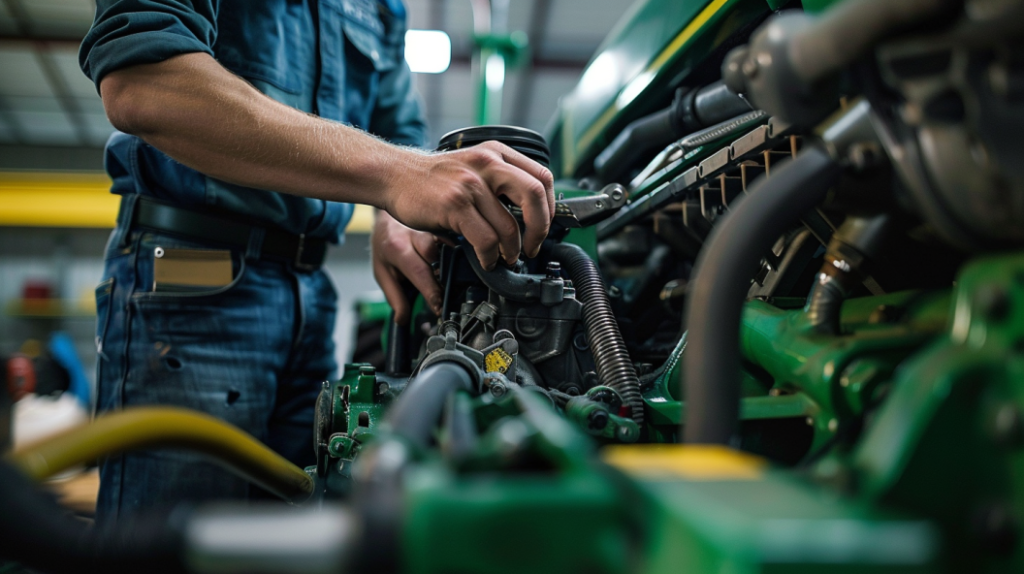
(82, 199)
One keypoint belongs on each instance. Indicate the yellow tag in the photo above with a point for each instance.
(497, 361)
(690, 462)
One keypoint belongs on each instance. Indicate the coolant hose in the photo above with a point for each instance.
(153, 427)
(614, 367)
(416, 412)
(721, 281)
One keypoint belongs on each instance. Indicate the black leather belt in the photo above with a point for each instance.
(304, 252)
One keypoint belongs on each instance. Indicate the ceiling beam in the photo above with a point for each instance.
(54, 77)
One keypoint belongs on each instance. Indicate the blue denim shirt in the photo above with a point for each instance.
(340, 59)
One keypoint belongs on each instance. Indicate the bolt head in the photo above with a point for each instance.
(598, 419)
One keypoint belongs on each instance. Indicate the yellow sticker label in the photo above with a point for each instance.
(498, 361)
(689, 462)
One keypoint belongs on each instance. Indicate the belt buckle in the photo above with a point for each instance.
(298, 256)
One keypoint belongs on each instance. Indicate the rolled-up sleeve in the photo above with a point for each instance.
(130, 32)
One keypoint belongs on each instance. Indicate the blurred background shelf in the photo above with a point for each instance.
(49, 309)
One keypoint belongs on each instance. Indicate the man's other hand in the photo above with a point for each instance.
(400, 252)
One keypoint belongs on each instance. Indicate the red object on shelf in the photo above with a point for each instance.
(21, 376)
(36, 289)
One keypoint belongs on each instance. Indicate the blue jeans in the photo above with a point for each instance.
(253, 353)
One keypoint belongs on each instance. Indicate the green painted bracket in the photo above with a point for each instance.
(513, 47)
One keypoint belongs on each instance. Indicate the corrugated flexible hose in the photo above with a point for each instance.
(614, 367)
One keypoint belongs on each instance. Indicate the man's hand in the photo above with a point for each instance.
(458, 191)
(399, 252)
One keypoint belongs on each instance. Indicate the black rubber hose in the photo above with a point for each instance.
(38, 533)
(849, 253)
(636, 139)
(614, 367)
(825, 304)
(396, 358)
(416, 412)
(721, 281)
(690, 111)
(713, 104)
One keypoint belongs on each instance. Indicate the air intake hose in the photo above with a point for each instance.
(614, 367)
(690, 111)
(723, 271)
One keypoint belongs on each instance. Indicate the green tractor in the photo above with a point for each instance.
(778, 325)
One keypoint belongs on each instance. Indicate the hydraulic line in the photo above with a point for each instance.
(152, 427)
(722, 277)
(416, 412)
(614, 367)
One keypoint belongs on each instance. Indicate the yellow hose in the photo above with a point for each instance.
(161, 427)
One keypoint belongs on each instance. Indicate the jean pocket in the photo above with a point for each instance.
(149, 245)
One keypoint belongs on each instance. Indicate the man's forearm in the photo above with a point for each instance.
(202, 115)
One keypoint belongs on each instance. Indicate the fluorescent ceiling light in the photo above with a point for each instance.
(494, 72)
(428, 51)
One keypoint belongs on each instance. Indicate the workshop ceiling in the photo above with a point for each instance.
(45, 100)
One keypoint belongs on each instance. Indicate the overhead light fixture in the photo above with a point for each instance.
(494, 72)
(428, 51)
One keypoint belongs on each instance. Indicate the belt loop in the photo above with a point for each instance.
(125, 217)
(255, 247)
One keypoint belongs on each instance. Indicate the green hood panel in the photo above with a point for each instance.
(656, 45)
